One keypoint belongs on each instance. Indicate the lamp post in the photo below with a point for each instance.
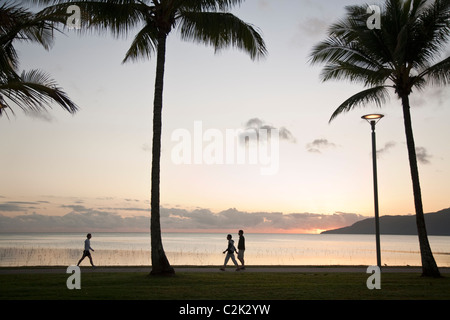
(373, 120)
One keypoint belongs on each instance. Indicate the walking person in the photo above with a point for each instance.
(241, 248)
(86, 252)
(230, 253)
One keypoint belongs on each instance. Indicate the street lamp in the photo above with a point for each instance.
(373, 120)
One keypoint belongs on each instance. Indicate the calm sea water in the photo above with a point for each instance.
(113, 249)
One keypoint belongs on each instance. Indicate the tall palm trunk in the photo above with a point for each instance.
(160, 263)
(429, 267)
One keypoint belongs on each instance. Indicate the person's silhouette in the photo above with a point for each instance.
(86, 252)
(241, 248)
(230, 253)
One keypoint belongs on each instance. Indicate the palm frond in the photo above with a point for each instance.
(377, 95)
(429, 32)
(351, 41)
(221, 30)
(352, 32)
(34, 90)
(144, 44)
(19, 24)
(438, 74)
(116, 16)
(336, 50)
(206, 5)
(354, 73)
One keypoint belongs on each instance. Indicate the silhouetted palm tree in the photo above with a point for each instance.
(33, 90)
(402, 55)
(202, 21)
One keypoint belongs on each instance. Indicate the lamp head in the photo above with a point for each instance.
(373, 116)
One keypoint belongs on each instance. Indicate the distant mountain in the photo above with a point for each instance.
(437, 223)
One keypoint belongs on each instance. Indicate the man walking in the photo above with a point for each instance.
(241, 248)
(86, 252)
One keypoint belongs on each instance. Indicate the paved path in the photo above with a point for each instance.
(298, 269)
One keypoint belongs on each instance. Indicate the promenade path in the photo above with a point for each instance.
(297, 269)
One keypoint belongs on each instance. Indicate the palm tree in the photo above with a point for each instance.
(402, 55)
(202, 21)
(33, 90)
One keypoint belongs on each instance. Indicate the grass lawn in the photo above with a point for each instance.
(223, 286)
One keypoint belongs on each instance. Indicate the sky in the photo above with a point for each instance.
(91, 171)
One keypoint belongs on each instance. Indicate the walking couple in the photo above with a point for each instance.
(231, 249)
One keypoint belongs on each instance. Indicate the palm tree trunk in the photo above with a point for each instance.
(429, 267)
(160, 263)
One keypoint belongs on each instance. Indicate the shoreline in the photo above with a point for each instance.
(200, 250)
(209, 269)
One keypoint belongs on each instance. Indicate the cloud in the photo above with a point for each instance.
(255, 126)
(147, 147)
(76, 208)
(18, 206)
(422, 155)
(263, 4)
(9, 207)
(314, 27)
(42, 115)
(389, 145)
(84, 219)
(318, 145)
(430, 96)
(254, 221)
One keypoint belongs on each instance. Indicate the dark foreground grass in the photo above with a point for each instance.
(223, 286)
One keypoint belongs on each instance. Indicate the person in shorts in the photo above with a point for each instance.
(86, 252)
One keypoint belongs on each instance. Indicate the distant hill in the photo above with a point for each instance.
(438, 224)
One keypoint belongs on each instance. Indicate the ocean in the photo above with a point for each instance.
(205, 249)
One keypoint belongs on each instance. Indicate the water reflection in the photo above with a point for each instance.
(114, 249)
